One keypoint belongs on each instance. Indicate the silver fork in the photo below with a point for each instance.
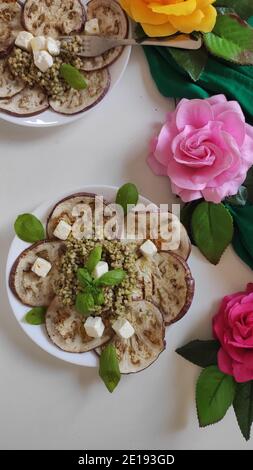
(92, 46)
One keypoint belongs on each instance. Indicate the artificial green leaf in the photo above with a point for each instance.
(212, 229)
(239, 199)
(201, 353)
(109, 367)
(93, 258)
(231, 39)
(73, 77)
(243, 407)
(36, 316)
(244, 8)
(112, 278)
(29, 229)
(127, 195)
(248, 183)
(215, 393)
(84, 277)
(193, 62)
(186, 216)
(84, 303)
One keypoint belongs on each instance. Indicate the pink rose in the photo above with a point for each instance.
(233, 327)
(205, 148)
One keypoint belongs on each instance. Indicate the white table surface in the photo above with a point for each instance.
(46, 403)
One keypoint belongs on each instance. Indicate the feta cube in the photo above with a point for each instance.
(43, 60)
(38, 43)
(23, 40)
(94, 327)
(41, 267)
(62, 230)
(123, 328)
(148, 248)
(53, 46)
(100, 269)
(92, 26)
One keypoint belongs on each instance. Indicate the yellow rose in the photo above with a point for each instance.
(167, 17)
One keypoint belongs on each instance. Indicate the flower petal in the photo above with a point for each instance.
(196, 113)
(178, 9)
(187, 24)
(233, 125)
(166, 29)
(208, 22)
(141, 13)
(156, 167)
(225, 362)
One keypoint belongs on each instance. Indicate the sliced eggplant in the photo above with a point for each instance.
(53, 17)
(9, 86)
(65, 327)
(112, 23)
(147, 343)
(10, 25)
(77, 101)
(29, 288)
(28, 102)
(166, 280)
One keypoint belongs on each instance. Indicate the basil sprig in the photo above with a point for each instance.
(112, 278)
(36, 316)
(73, 77)
(29, 229)
(109, 367)
(93, 259)
(127, 195)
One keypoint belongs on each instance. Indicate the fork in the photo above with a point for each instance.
(92, 46)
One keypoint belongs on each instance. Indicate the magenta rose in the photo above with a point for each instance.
(205, 147)
(233, 327)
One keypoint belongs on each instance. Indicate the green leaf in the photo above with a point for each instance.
(29, 229)
(193, 62)
(248, 183)
(243, 407)
(127, 195)
(186, 216)
(112, 278)
(239, 199)
(93, 258)
(84, 303)
(36, 316)
(215, 393)
(212, 229)
(231, 39)
(84, 277)
(73, 77)
(99, 298)
(244, 8)
(109, 367)
(201, 353)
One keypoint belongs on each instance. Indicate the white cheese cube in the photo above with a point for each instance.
(148, 248)
(100, 269)
(23, 40)
(92, 26)
(41, 267)
(38, 43)
(53, 46)
(94, 327)
(62, 230)
(43, 60)
(123, 328)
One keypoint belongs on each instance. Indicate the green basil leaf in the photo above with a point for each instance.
(93, 258)
(244, 8)
(193, 62)
(127, 195)
(215, 393)
(212, 229)
(99, 298)
(84, 303)
(239, 199)
(201, 353)
(36, 316)
(243, 407)
(29, 229)
(84, 277)
(112, 278)
(73, 77)
(231, 39)
(109, 367)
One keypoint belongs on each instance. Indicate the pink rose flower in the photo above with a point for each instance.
(233, 327)
(205, 147)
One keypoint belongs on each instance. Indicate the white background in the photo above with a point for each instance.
(48, 404)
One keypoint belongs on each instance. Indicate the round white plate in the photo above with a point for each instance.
(50, 119)
(38, 333)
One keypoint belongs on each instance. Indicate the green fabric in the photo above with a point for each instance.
(243, 234)
(236, 82)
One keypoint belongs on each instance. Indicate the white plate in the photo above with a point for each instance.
(38, 333)
(50, 119)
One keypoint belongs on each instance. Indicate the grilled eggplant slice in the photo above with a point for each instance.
(166, 280)
(145, 346)
(10, 25)
(77, 101)
(28, 102)
(65, 327)
(29, 288)
(53, 17)
(112, 23)
(9, 86)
